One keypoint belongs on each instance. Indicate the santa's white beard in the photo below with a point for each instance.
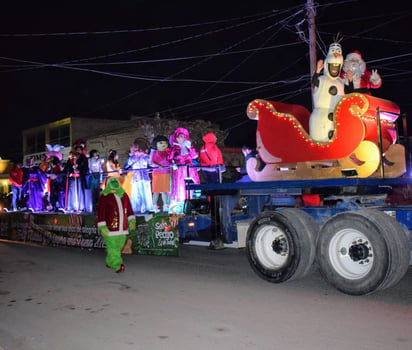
(357, 72)
(357, 69)
(355, 66)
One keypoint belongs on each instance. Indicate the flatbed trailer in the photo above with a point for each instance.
(359, 233)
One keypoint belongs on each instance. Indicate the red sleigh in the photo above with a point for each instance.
(358, 148)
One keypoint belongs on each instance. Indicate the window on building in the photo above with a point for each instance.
(60, 135)
(36, 142)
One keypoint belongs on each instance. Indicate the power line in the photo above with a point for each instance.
(172, 42)
(152, 85)
(250, 55)
(161, 45)
(127, 31)
(123, 63)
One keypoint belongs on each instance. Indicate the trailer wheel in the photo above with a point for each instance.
(280, 245)
(397, 240)
(360, 252)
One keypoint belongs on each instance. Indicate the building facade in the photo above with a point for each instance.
(104, 135)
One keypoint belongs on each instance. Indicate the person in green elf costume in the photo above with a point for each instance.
(115, 220)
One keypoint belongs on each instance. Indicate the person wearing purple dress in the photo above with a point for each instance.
(34, 180)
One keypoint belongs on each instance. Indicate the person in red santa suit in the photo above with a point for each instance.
(115, 219)
(356, 77)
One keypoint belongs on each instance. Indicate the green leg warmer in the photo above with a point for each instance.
(114, 246)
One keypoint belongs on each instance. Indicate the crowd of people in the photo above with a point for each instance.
(154, 176)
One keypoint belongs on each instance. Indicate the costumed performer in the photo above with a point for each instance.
(211, 159)
(56, 176)
(327, 90)
(115, 220)
(182, 153)
(80, 145)
(95, 178)
(113, 167)
(75, 199)
(141, 188)
(44, 166)
(83, 167)
(34, 186)
(161, 172)
(16, 180)
(249, 153)
(357, 77)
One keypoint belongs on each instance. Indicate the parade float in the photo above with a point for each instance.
(331, 189)
(363, 142)
(346, 135)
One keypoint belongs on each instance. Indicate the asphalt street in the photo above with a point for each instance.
(65, 299)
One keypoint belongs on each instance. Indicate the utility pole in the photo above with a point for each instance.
(312, 36)
(310, 12)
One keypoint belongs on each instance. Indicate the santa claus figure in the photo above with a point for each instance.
(356, 77)
(115, 219)
(328, 88)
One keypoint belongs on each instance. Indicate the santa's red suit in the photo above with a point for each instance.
(115, 213)
(363, 79)
(115, 218)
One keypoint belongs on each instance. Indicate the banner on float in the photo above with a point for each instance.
(51, 229)
(156, 236)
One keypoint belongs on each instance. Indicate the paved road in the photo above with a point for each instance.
(66, 299)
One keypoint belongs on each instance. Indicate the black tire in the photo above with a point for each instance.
(355, 253)
(397, 241)
(280, 245)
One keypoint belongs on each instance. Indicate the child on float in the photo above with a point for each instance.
(161, 172)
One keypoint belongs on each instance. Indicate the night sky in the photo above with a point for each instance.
(183, 59)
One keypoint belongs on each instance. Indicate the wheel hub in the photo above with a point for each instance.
(359, 251)
(280, 246)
